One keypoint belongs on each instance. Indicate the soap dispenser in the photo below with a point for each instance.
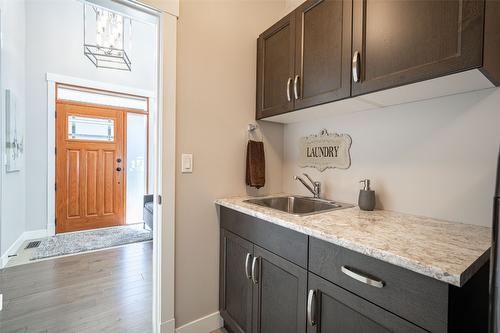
(366, 200)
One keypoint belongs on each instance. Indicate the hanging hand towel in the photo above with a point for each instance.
(256, 164)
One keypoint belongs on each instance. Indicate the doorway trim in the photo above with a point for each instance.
(167, 13)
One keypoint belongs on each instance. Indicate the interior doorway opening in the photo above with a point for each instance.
(49, 67)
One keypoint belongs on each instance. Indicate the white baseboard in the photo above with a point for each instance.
(12, 250)
(205, 324)
(168, 326)
(27, 235)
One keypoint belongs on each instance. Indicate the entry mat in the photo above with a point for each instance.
(82, 241)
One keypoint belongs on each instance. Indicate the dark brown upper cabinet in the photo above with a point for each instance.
(491, 54)
(401, 42)
(304, 59)
(328, 50)
(323, 52)
(275, 68)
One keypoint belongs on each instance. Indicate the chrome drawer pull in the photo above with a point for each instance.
(311, 312)
(355, 67)
(255, 262)
(296, 86)
(361, 278)
(288, 83)
(247, 266)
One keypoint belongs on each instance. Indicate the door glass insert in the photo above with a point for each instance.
(92, 129)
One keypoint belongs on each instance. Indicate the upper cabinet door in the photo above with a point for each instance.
(401, 42)
(275, 68)
(323, 52)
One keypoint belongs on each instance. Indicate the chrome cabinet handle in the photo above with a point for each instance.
(355, 67)
(296, 86)
(311, 301)
(255, 280)
(288, 83)
(247, 266)
(362, 278)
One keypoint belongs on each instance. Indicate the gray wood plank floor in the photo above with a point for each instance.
(104, 291)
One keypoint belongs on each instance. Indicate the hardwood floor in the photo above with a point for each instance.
(104, 291)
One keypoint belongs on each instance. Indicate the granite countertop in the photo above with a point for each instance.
(447, 251)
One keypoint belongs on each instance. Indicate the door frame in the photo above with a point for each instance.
(165, 164)
(54, 81)
(125, 111)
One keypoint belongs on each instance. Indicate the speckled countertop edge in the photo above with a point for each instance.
(461, 249)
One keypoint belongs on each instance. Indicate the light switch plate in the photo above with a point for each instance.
(187, 163)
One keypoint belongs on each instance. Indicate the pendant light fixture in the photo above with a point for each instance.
(107, 38)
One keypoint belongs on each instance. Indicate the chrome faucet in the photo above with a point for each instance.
(315, 190)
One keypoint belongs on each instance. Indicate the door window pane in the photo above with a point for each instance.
(136, 165)
(92, 129)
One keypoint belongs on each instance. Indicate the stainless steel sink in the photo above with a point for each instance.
(299, 205)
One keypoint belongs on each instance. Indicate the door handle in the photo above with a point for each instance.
(362, 278)
(355, 67)
(118, 169)
(255, 261)
(311, 307)
(296, 86)
(119, 160)
(288, 83)
(247, 266)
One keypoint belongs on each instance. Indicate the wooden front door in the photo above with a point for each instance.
(90, 167)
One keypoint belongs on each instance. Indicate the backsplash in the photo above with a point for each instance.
(434, 158)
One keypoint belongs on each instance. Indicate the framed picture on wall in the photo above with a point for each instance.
(14, 140)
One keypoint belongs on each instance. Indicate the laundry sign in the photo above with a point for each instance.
(325, 150)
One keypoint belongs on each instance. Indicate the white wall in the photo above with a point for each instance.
(12, 211)
(54, 36)
(434, 158)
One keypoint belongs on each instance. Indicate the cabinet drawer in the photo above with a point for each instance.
(417, 298)
(284, 242)
(337, 310)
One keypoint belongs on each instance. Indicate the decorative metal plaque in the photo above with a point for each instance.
(325, 150)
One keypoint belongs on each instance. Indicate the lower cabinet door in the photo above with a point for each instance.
(333, 309)
(279, 294)
(235, 290)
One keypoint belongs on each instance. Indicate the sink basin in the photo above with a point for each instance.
(299, 205)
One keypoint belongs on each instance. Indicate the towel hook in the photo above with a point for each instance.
(252, 129)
